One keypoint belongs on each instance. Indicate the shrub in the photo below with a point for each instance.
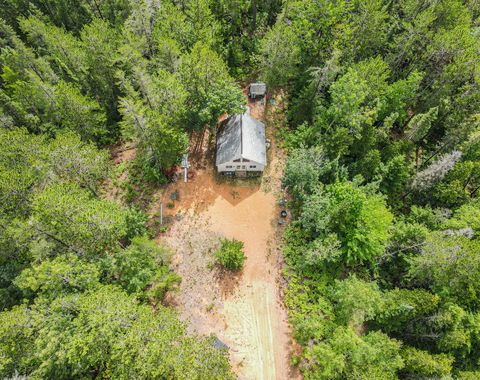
(136, 220)
(230, 255)
(164, 280)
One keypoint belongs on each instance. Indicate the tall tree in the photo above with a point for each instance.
(73, 220)
(160, 143)
(105, 332)
(211, 91)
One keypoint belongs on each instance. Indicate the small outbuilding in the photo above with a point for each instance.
(257, 90)
(241, 146)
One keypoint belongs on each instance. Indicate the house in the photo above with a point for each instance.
(241, 147)
(257, 90)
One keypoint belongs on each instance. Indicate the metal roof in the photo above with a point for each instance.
(241, 136)
(258, 88)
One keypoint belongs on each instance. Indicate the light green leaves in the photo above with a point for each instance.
(108, 332)
(55, 277)
(76, 221)
(356, 301)
(280, 55)
(135, 266)
(358, 218)
(449, 265)
(420, 124)
(230, 254)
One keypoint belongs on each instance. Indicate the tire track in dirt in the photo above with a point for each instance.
(248, 316)
(250, 329)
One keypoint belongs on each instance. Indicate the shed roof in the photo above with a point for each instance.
(258, 88)
(241, 136)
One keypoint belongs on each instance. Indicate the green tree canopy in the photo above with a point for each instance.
(73, 220)
(211, 91)
(104, 332)
(450, 266)
(357, 216)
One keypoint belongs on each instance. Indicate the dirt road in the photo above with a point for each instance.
(244, 310)
(257, 329)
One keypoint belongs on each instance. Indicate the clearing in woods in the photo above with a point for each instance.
(243, 310)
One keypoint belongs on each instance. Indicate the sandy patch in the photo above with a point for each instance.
(200, 296)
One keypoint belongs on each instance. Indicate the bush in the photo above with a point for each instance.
(165, 280)
(136, 220)
(230, 255)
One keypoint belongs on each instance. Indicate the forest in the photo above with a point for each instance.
(382, 258)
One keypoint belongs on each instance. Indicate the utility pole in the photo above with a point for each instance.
(161, 213)
(185, 166)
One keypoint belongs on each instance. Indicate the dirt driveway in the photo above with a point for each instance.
(256, 323)
(244, 310)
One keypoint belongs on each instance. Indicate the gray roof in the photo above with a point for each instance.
(258, 88)
(241, 136)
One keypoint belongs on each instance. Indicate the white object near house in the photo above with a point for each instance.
(185, 166)
(241, 145)
(257, 90)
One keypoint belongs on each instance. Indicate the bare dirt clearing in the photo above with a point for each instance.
(244, 310)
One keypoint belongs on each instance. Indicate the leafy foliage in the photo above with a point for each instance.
(382, 138)
(73, 220)
(63, 274)
(160, 145)
(141, 263)
(356, 301)
(360, 220)
(421, 363)
(230, 254)
(81, 284)
(104, 331)
(451, 266)
(211, 91)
